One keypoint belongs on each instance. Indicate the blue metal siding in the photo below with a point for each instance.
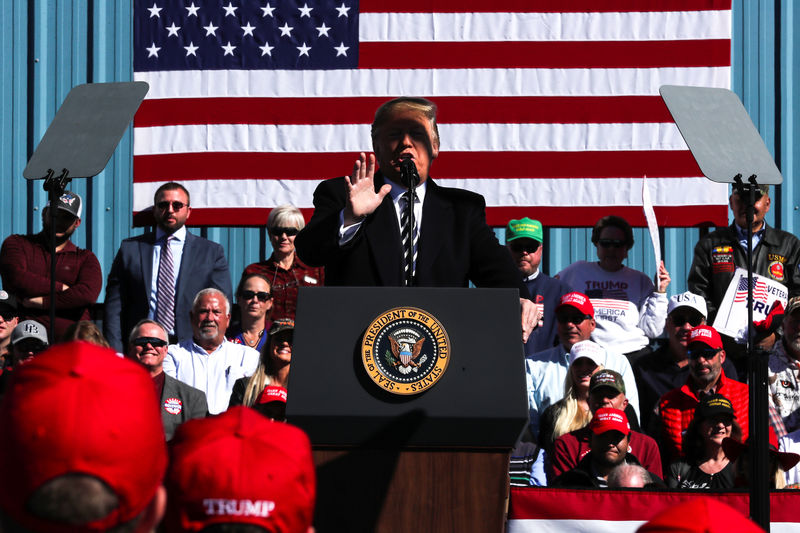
(52, 45)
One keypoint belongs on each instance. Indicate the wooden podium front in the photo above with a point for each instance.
(435, 461)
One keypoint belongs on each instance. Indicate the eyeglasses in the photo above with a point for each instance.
(155, 342)
(705, 353)
(176, 206)
(679, 319)
(262, 296)
(278, 231)
(574, 319)
(612, 243)
(524, 247)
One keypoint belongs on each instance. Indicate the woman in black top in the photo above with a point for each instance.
(706, 465)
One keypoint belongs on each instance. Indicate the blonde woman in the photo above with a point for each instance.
(273, 367)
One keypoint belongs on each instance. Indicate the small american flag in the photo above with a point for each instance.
(759, 291)
(545, 106)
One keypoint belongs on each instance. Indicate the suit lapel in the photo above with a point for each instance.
(146, 263)
(437, 222)
(383, 236)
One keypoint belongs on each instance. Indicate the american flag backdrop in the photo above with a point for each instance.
(549, 108)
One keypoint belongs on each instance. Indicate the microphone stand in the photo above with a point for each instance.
(410, 178)
(54, 185)
(757, 376)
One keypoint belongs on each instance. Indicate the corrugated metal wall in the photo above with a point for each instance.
(49, 46)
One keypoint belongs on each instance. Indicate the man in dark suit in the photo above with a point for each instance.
(355, 232)
(141, 285)
(178, 402)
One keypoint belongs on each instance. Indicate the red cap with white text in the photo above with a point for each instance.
(240, 467)
(609, 419)
(578, 301)
(706, 335)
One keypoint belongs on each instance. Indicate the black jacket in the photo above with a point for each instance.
(456, 245)
(716, 256)
(582, 477)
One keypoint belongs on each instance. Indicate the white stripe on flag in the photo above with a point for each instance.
(498, 192)
(554, 27)
(430, 82)
(455, 137)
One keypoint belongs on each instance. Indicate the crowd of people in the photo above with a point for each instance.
(626, 386)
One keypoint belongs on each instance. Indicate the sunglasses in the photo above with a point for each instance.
(278, 231)
(705, 353)
(176, 206)
(155, 342)
(612, 243)
(745, 195)
(575, 319)
(30, 346)
(283, 336)
(262, 296)
(679, 319)
(7, 315)
(524, 247)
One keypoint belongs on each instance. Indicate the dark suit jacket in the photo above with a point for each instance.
(203, 265)
(193, 404)
(455, 244)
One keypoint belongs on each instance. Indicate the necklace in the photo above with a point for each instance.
(255, 341)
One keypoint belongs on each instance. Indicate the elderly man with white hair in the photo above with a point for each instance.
(207, 361)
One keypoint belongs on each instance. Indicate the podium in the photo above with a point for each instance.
(436, 460)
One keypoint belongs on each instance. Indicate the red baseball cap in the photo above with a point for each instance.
(273, 393)
(700, 515)
(77, 408)
(706, 335)
(608, 419)
(578, 301)
(240, 467)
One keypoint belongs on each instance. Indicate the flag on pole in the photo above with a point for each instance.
(545, 105)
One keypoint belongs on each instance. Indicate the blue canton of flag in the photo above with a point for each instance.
(274, 34)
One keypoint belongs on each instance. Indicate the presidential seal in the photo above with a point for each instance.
(405, 350)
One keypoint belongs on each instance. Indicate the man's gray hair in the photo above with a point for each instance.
(135, 331)
(216, 292)
(629, 476)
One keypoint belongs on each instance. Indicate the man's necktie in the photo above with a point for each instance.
(404, 222)
(165, 291)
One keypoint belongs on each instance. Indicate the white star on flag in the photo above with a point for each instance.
(230, 10)
(153, 50)
(323, 30)
(266, 50)
(192, 10)
(173, 30)
(229, 48)
(304, 50)
(248, 30)
(305, 11)
(342, 10)
(191, 49)
(267, 9)
(155, 11)
(286, 30)
(211, 29)
(341, 50)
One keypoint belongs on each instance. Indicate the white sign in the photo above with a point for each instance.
(732, 314)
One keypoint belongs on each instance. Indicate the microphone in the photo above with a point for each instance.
(408, 172)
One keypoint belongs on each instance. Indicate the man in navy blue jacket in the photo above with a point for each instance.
(524, 239)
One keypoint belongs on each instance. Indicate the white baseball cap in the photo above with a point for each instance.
(688, 299)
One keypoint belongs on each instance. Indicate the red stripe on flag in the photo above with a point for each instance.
(495, 216)
(489, 165)
(546, 54)
(452, 110)
(543, 6)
